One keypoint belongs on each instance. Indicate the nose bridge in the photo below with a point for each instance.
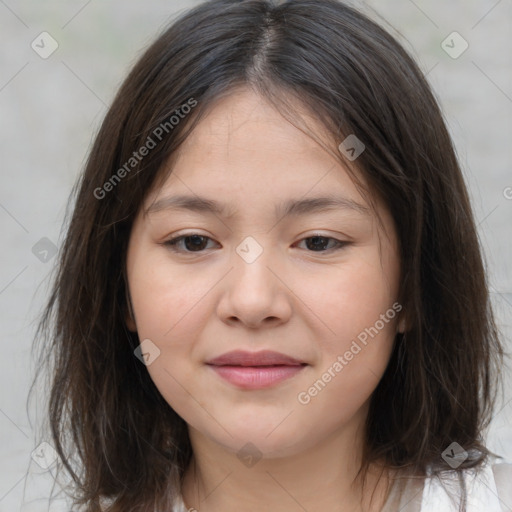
(251, 262)
(251, 250)
(254, 292)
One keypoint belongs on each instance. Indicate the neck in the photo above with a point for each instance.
(323, 477)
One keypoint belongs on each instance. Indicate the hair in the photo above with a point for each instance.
(123, 446)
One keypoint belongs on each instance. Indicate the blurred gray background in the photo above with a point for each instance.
(51, 105)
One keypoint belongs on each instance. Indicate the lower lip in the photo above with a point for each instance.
(256, 377)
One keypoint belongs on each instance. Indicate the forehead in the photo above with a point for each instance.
(243, 143)
(244, 120)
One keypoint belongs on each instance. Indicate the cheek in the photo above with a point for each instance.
(171, 311)
(165, 298)
(358, 305)
(352, 297)
(349, 370)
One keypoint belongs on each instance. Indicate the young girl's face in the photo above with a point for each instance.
(262, 267)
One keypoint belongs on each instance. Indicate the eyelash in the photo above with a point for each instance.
(173, 243)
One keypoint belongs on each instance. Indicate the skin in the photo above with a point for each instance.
(296, 298)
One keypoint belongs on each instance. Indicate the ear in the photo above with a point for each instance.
(129, 316)
(130, 322)
(403, 323)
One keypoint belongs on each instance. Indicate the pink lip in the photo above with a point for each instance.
(255, 370)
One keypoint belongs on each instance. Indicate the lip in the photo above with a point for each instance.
(262, 358)
(255, 370)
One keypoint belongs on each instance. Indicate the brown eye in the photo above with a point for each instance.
(321, 243)
(188, 243)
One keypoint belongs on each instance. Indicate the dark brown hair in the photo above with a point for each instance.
(118, 439)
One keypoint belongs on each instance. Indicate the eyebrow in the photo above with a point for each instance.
(292, 207)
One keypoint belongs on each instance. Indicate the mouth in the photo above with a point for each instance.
(255, 370)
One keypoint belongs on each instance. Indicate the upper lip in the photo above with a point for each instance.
(263, 358)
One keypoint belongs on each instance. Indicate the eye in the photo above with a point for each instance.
(320, 243)
(192, 243)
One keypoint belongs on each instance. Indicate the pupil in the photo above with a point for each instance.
(198, 242)
(315, 240)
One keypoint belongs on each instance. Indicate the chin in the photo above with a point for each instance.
(257, 437)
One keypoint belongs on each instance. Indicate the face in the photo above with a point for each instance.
(271, 312)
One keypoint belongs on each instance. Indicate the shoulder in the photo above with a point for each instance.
(488, 488)
(502, 474)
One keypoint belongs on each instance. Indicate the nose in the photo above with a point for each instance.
(255, 294)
